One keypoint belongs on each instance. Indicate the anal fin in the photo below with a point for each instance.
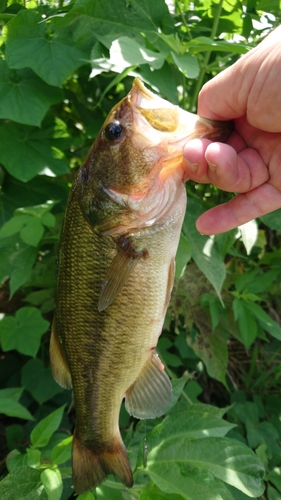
(119, 271)
(151, 394)
(59, 366)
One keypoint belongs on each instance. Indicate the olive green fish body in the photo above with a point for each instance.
(115, 275)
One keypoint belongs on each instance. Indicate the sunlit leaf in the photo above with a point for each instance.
(24, 97)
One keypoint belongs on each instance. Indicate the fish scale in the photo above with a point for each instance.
(115, 275)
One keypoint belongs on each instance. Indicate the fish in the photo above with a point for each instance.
(115, 274)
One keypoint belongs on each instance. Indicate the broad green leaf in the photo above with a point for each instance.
(26, 152)
(161, 80)
(48, 220)
(32, 232)
(52, 481)
(33, 43)
(24, 97)
(13, 225)
(33, 458)
(37, 210)
(272, 220)
(9, 404)
(62, 451)
(187, 64)
(12, 408)
(249, 234)
(23, 483)
(195, 422)
(38, 380)
(202, 44)
(275, 477)
(178, 385)
(264, 319)
(204, 252)
(246, 321)
(272, 493)
(125, 52)
(23, 331)
(16, 460)
(190, 483)
(226, 459)
(211, 346)
(87, 496)
(151, 492)
(111, 20)
(42, 432)
(16, 263)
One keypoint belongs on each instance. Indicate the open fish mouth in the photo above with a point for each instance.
(171, 119)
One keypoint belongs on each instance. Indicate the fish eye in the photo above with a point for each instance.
(114, 131)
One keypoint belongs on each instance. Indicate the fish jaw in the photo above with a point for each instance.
(170, 127)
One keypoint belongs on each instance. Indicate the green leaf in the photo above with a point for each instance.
(246, 321)
(125, 52)
(14, 225)
(211, 346)
(24, 97)
(272, 493)
(39, 381)
(22, 483)
(171, 465)
(23, 331)
(33, 43)
(43, 431)
(16, 263)
(33, 458)
(151, 492)
(204, 252)
(187, 64)
(10, 406)
(62, 452)
(202, 43)
(52, 481)
(48, 220)
(86, 496)
(111, 20)
(32, 232)
(264, 319)
(26, 152)
(195, 422)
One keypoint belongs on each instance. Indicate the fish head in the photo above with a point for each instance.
(138, 150)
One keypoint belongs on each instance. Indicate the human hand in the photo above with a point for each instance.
(249, 92)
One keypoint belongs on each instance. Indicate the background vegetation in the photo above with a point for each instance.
(63, 65)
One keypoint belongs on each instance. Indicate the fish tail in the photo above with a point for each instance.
(91, 466)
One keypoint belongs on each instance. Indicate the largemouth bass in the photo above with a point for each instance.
(115, 275)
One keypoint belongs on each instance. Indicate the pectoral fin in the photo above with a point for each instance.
(119, 271)
(151, 395)
(59, 366)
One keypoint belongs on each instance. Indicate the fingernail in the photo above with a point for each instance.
(212, 166)
(192, 166)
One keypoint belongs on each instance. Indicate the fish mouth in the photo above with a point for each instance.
(159, 123)
(168, 118)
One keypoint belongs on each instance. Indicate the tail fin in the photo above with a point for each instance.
(91, 467)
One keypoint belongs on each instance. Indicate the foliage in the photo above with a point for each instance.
(63, 65)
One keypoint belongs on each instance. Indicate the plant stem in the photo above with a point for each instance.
(183, 19)
(206, 58)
